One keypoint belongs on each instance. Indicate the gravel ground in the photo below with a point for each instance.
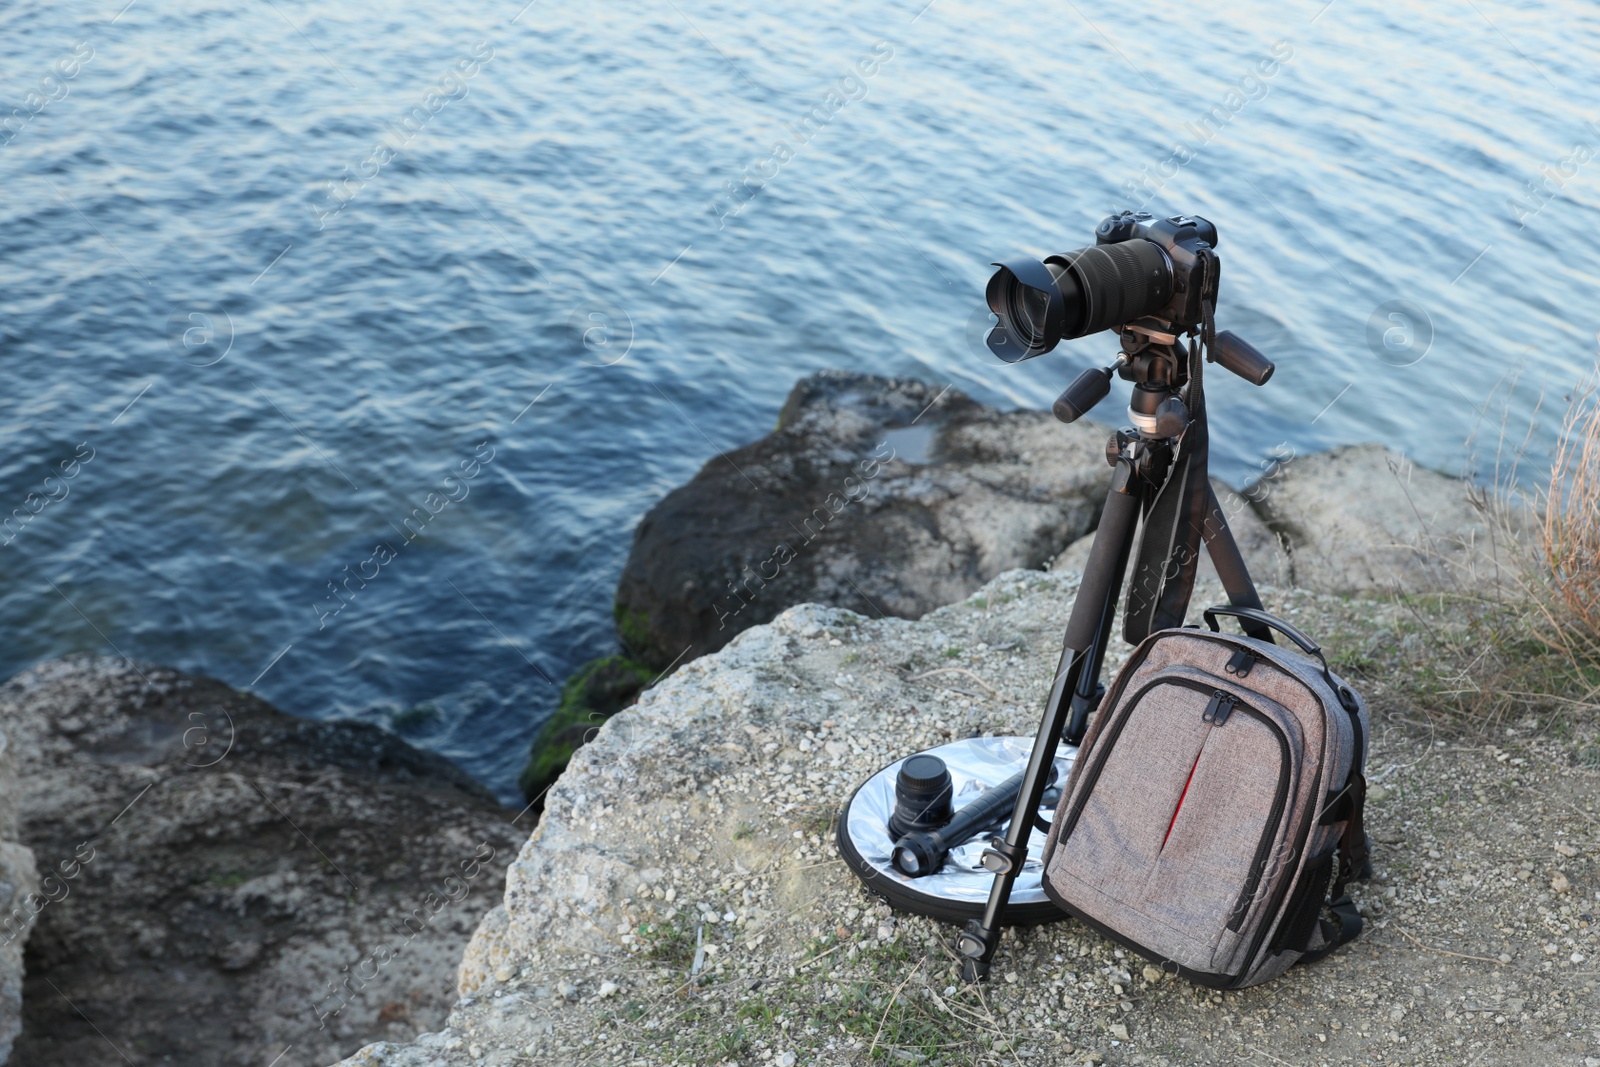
(698, 826)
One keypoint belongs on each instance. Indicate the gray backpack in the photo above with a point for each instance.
(1214, 800)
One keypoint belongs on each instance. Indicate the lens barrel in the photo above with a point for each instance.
(922, 794)
(1075, 294)
(1119, 283)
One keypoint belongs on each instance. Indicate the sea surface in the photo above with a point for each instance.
(284, 282)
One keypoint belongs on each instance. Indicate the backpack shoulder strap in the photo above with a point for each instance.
(1343, 928)
(1345, 924)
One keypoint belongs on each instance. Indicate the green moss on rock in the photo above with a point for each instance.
(633, 627)
(598, 690)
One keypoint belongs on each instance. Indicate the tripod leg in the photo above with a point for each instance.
(1229, 561)
(1072, 693)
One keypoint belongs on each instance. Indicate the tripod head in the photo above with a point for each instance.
(1154, 359)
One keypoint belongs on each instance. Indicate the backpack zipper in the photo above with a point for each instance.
(1220, 707)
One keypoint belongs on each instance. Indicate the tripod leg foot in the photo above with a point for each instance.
(976, 945)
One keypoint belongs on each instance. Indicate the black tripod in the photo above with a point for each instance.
(1159, 486)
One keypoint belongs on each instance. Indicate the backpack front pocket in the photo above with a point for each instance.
(1169, 839)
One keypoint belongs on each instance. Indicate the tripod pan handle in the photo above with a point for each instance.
(1242, 358)
(1086, 390)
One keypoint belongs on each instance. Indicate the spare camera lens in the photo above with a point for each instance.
(922, 793)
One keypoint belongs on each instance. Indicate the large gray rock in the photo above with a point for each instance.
(1262, 549)
(1365, 519)
(886, 496)
(19, 899)
(222, 867)
(682, 901)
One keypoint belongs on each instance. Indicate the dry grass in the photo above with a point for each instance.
(1521, 632)
(1568, 591)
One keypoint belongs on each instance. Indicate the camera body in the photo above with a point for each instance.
(1140, 267)
(1181, 237)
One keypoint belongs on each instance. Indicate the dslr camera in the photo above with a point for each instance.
(1157, 276)
(1139, 267)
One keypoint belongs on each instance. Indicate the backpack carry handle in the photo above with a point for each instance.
(1308, 646)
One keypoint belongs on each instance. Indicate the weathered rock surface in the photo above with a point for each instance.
(886, 496)
(969, 492)
(220, 868)
(1262, 549)
(1365, 519)
(682, 902)
(818, 512)
(19, 887)
(1359, 520)
(599, 690)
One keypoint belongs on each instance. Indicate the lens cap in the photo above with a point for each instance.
(922, 792)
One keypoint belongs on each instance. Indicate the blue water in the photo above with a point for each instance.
(238, 381)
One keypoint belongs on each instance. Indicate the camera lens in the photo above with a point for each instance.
(1024, 295)
(1122, 282)
(1028, 309)
(922, 792)
(1075, 294)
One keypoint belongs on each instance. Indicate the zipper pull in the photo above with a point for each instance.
(1218, 709)
(1240, 664)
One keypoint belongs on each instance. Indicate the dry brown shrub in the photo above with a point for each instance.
(1568, 539)
(1519, 633)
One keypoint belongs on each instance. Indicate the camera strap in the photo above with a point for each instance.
(1169, 547)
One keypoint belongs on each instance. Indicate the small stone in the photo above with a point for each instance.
(1119, 1031)
(503, 973)
(568, 991)
(607, 988)
(1576, 957)
(1566, 850)
(476, 1051)
(1152, 974)
(1559, 883)
(785, 1059)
